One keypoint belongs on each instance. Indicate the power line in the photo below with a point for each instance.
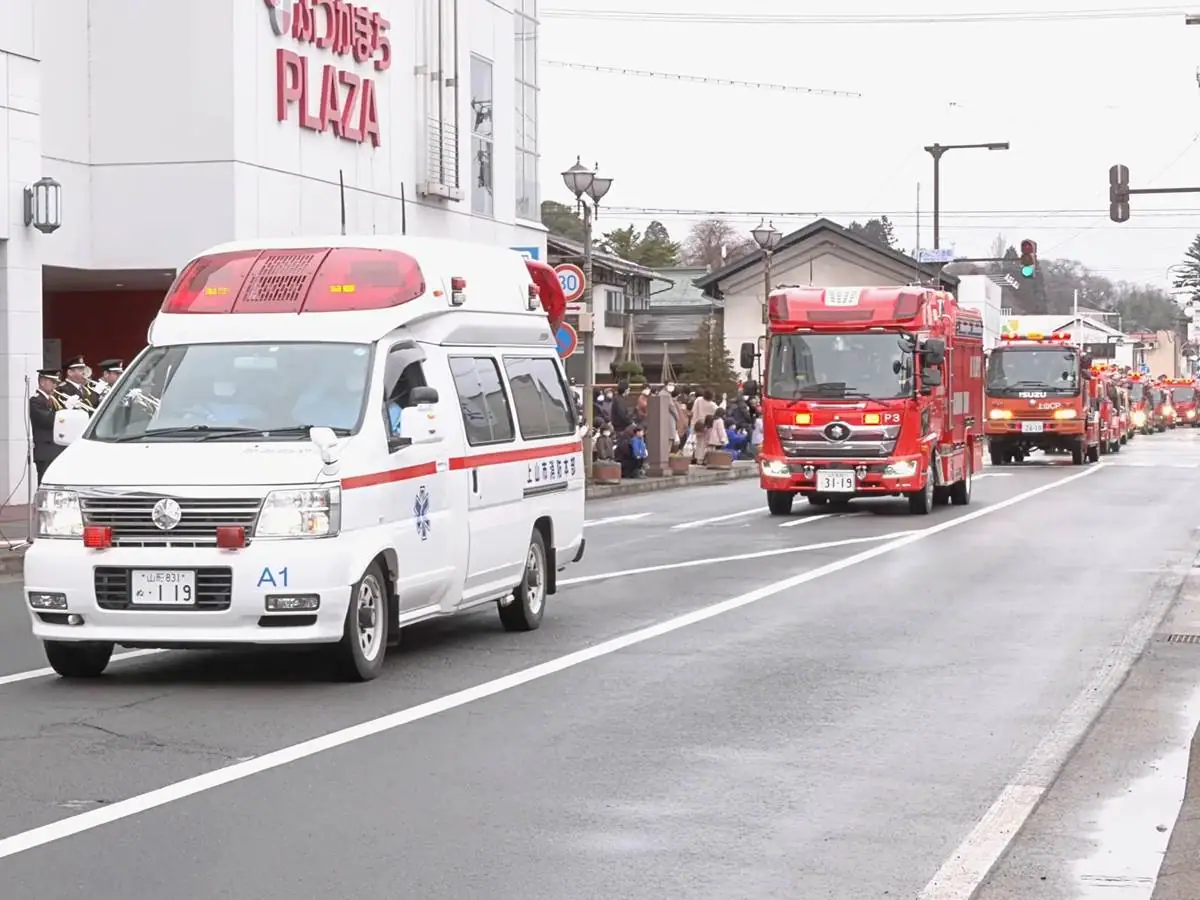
(973, 18)
(988, 214)
(701, 79)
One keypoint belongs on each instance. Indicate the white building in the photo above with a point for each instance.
(980, 293)
(171, 126)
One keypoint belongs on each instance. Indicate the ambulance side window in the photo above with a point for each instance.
(542, 400)
(401, 373)
(487, 418)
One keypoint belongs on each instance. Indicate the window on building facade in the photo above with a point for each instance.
(525, 31)
(483, 199)
(441, 70)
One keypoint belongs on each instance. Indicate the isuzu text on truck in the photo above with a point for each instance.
(870, 392)
(1041, 396)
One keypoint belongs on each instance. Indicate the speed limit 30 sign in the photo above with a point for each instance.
(570, 277)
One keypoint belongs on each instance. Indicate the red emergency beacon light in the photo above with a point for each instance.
(1055, 338)
(554, 301)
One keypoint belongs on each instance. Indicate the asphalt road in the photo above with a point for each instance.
(719, 704)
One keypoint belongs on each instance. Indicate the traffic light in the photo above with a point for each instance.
(1118, 193)
(1028, 258)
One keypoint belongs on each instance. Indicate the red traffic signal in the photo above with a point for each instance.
(1028, 258)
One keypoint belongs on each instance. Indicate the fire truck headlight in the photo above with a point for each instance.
(1065, 414)
(905, 468)
(1191, 414)
(774, 468)
(1000, 414)
(1139, 418)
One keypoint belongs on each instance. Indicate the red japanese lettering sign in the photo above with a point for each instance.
(348, 105)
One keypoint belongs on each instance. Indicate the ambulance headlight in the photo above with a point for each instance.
(905, 468)
(1139, 418)
(302, 513)
(58, 514)
(1065, 414)
(775, 468)
(1000, 414)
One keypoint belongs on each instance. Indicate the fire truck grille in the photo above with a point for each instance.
(848, 450)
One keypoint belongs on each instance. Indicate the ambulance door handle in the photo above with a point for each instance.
(475, 480)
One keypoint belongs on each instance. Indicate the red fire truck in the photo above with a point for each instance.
(1183, 400)
(1041, 395)
(870, 392)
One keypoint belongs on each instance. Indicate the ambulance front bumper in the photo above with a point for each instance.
(270, 592)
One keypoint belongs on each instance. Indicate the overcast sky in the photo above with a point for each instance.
(1073, 98)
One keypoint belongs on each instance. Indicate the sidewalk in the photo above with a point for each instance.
(697, 476)
(14, 538)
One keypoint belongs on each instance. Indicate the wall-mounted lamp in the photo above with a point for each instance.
(43, 205)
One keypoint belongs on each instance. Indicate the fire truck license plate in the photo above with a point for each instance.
(835, 482)
(1033, 427)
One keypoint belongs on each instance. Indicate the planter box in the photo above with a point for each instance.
(606, 472)
(718, 459)
(680, 465)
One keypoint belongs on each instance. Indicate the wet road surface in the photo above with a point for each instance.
(719, 704)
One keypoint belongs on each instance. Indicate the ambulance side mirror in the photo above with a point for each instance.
(69, 425)
(749, 353)
(419, 422)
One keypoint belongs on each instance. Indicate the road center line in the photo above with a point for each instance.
(189, 787)
(725, 518)
(804, 520)
(47, 672)
(713, 560)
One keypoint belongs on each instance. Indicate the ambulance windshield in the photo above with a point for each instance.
(1052, 370)
(878, 365)
(251, 391)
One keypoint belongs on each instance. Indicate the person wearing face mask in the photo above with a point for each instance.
(622, 412)
(605, 445)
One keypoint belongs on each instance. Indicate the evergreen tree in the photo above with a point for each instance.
(707, 362)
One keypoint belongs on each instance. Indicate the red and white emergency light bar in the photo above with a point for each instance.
(1037, 337)
(339, 279)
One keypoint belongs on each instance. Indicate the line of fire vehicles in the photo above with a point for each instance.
(887, 391)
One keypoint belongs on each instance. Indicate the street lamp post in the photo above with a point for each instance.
(767, 236)
(937, 151)
(589, 189)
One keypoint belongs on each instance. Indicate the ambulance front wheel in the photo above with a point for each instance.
(523, 611)
(359, 654)
(780, 502)
(78, 659)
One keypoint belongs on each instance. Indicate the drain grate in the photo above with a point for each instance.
(1183, 638)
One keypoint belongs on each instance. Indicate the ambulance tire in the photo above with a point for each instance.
(359, 654)
(528, 604)
(920, 503)
(1093, 453)
(78, 659)
(780, 502)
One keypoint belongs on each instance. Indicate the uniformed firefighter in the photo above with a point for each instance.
(42, 407)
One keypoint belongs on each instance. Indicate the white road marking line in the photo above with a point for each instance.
(171, 793)
(47, 672)
(725, 518)
(713, 560)
(611, 519)
(804, 520)
(991, 475)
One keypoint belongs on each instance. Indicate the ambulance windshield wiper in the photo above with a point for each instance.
(296, 431)
(205, 431)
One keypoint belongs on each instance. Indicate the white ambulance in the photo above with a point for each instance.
(324, 442)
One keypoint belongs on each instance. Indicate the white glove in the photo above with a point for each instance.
(72, 402)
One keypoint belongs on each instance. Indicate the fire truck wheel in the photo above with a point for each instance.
(960, 491)
(920, 503)
(996, 456)
(1116, 446)
(780, 502)
(1077, 454)
(1093, 453)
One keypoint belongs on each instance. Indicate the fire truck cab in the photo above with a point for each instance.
(1041, 395)
(1183, 400)
(870, 392)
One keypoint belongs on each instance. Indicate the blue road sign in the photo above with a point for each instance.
(566, 339)
(534, 253)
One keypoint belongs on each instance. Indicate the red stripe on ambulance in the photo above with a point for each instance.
(458, 463)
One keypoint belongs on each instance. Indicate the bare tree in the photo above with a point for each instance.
(714, 242)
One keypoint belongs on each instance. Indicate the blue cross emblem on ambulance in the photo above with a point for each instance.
(421, 513)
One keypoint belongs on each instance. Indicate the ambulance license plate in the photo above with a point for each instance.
(1033, 427)
(835, 482)
(163, 587)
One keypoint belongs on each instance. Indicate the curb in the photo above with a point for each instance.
(666, 483)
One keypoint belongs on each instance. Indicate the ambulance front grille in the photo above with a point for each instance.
(131, 519)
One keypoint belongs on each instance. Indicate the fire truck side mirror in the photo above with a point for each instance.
(749, 354)
(930, 378)
(934, 351)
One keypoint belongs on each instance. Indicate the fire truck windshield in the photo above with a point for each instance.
(1137, 393)
(1012, 370)
(878, 365)
(1184, 395)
